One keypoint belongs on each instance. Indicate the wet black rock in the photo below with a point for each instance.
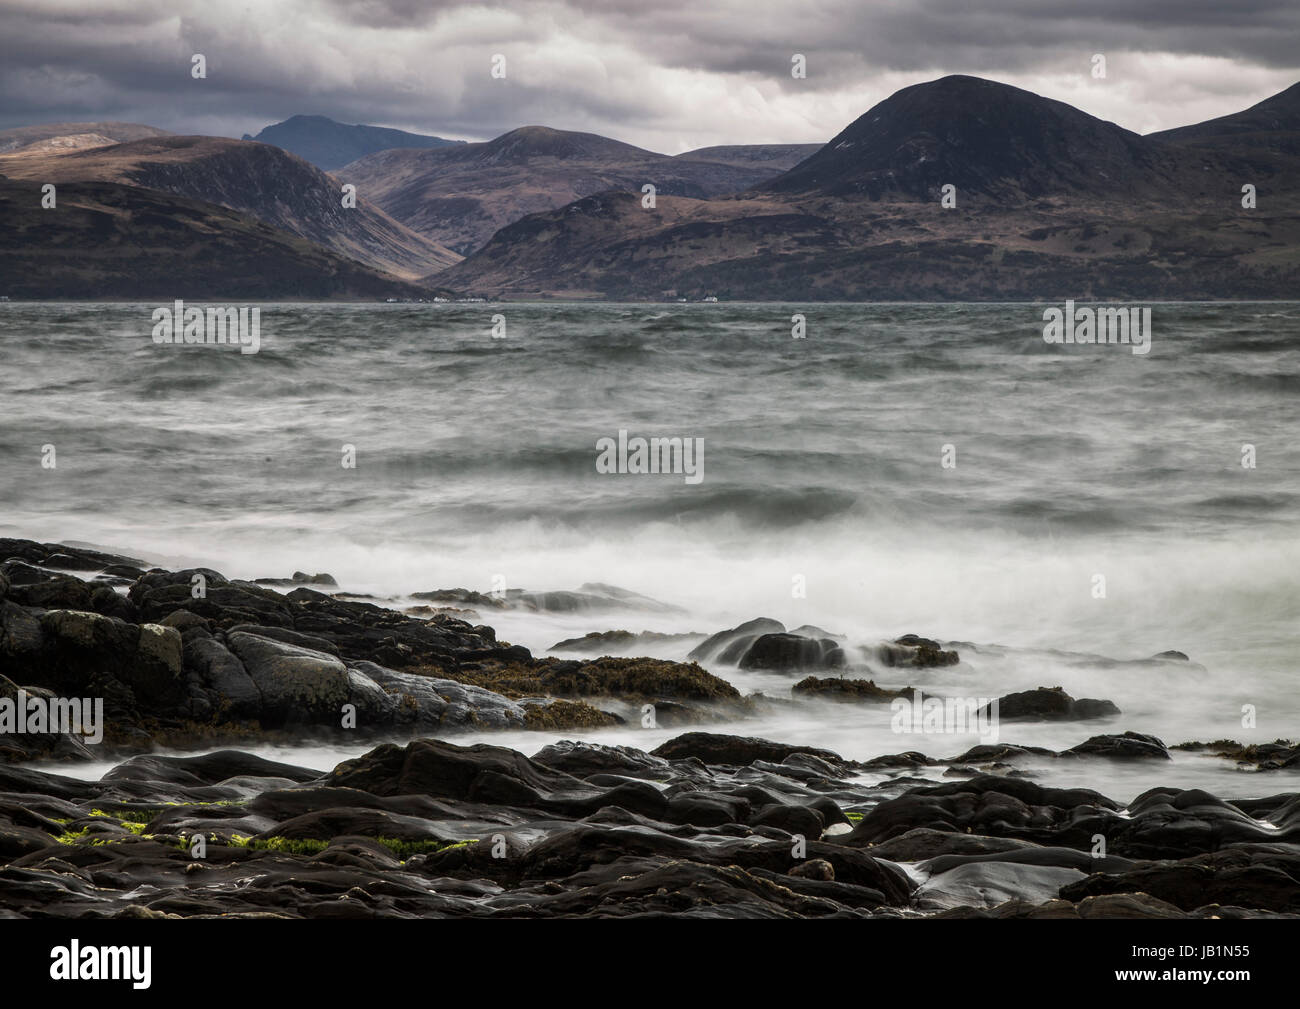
(1129, 746)
(635, 679)
(206, 769)
(1261, 876)
(301, 578)
(727, 647)
(838, 689)
(786, 651)
(1282, 753)
(59, 649)
(618, 642)
(583, 830)
(991, 805)
(75, 558)
(1050, 704)
(715, 748)
(915, 651)
(921, 843)
(32, 586)
(191, 653)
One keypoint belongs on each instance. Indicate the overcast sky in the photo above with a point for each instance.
(668, 75)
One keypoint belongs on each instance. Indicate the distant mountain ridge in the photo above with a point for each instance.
(329, 145)
(462, 196)
(1047, 202)
(259, 180)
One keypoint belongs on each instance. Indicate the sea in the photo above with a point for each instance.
(1054, 512)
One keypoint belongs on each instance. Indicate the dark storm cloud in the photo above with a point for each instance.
(663, 75)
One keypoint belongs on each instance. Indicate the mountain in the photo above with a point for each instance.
(774, 158)
(22, 136)
(987, 139)
(461, 196)
(108, 240)
(259, 180)
(330, 145)
(1051, 203)
(608, 245)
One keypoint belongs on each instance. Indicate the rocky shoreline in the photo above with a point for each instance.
(705, 825)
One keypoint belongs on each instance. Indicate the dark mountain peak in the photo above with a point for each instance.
(328, 144)
(546, 142)
(984, 137)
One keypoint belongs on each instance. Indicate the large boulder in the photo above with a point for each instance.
(445, 770)
(374, 707)
(73, 645)
(785, 652)
(298, 685)
(158, 660)
(1050, 704)
(226, 604)
(727, 647)
(915, 651)
(41, 589)
(423, 702)
(635, 679)
(1129, 746)
(60, 555)
(582, 759)
(365, 631)
(22, 639)
(233, 692)
(838, 689)
(618, 642)
(994, 806)
(717, 748)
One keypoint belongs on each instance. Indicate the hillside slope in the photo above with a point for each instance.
(108, 240)
(462, 196)
(264, 182)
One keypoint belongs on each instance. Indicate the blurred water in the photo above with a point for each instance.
(476, 457)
